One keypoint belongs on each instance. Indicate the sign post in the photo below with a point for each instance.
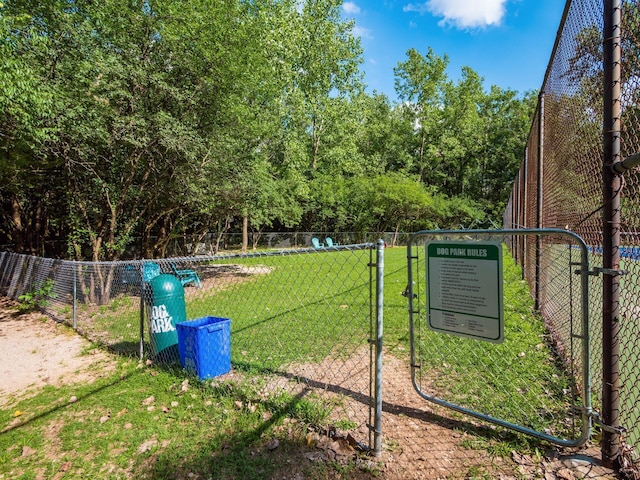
(464, 286)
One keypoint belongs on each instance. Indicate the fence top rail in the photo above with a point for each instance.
(504, 232)
(209, 258)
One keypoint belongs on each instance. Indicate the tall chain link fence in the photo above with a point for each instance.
(303, 321)
(587, 121)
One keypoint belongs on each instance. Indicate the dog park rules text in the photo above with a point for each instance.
(464, 289)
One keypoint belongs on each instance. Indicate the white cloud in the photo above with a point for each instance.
(362, 32)
(420, 8)
(350, 8)
(462, 13)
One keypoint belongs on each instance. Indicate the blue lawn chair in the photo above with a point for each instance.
(150, 271)
(316, 243)
(186, 276)
(131, 275)
(330, 242)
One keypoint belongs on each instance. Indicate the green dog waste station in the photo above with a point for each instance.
(167, 309)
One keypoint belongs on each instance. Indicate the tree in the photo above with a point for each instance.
(394, 202)
(162, 121)
(506, 124)
(421, 84)
(326, 66)
(25, 100)
(468, 141)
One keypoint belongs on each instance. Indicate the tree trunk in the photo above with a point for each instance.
(221, 232)
(18, 229)
(245, 233)
(162, 241)
(36, 246)
(256, 239)
(423, 139)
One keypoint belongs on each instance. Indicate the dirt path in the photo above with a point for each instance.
(37, 351)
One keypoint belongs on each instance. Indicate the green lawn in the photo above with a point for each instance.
(304, 308)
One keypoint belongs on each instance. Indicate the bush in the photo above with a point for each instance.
(37, 298)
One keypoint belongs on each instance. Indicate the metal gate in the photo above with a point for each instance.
(487, 344)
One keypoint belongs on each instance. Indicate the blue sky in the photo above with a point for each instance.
(508, 42)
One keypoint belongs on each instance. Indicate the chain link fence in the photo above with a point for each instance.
(630, 232)
(529, 375)
(562, 184)
(302, 321)
(211, 243)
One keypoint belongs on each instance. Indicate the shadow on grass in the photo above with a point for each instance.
(489, 432)
(126, 349)
(245, 453)
(60, 406)
(249, 454)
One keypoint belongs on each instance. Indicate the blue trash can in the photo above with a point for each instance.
(204, 346)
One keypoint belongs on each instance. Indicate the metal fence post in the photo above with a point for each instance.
(142, 290)
(377, 439)
(75, 296)
(539, 186)
(611, 236)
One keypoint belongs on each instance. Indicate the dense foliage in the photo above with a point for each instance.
(137, 121)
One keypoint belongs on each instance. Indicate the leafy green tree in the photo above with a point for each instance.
(25, 100)
(471, 143)
(164, 121)
(506, 123)
(326, 65)
(461, 131)
(421, 83)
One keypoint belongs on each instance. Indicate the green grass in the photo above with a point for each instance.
(629, 357)
(629, 350)
(309, 307)
(301, 311)
(148, 423)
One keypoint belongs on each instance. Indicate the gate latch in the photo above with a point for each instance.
(607, 271)
(595, 416)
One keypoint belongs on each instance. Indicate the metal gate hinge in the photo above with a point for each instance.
(405, 293)
(595, 416)
(373, 428)
(607, 271)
